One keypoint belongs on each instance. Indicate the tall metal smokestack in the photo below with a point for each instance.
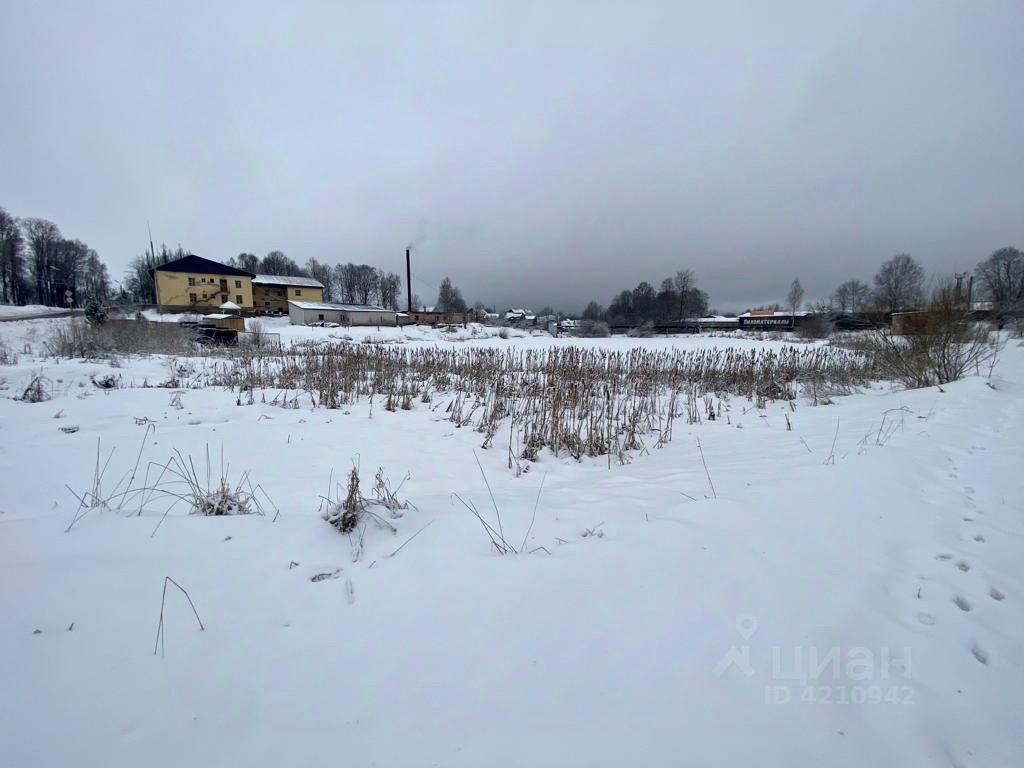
(408, 277)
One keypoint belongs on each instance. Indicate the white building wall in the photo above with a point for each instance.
(302, 316)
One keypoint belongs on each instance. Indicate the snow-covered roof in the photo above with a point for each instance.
(340, 307)
(218, 316)
(776, 313)
(715, 319)
(298, 282)
(229, 305)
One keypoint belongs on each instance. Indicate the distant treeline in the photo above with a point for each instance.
(677, 298)
(898, 286)
(38, 265)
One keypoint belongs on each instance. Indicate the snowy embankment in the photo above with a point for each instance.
(691, 606)
(13, 312)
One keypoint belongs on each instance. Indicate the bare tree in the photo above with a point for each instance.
(138, 280)
(344, 282)
(390, 288)
(367, 284)
(67, 267)
(899, 284)
(357, 283)
(593, 311)
(851, 296)
(1001, 280)
(795, 297)
(250, 262)
(324, 274)
(95, 280)
(42, 237)
(13, 282)
(645, 301)
(449, 298)
(684, 282)
(695, 303)
(277, 263)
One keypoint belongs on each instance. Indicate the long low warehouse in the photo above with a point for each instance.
(313, 312)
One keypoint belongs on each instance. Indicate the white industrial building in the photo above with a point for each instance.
(315, 312)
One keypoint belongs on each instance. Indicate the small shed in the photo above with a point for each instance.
(316, 312)
(224, 321)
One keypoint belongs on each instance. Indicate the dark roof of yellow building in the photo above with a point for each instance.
(198, 264)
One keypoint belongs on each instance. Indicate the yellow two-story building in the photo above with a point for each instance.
(271, 293)
(196, 284)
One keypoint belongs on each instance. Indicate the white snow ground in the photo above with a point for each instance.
(687, 629)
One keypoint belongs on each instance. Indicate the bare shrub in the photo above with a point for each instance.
(39, 390)
(257, 335)
(78, 338)
(592, 329)
(646, 330)
(816, 326)
(350, 511)
(179, 480)
(7, 357)
(503, 333)
(939, 344)
(176, 480)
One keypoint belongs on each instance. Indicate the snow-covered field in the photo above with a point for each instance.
(846, 592)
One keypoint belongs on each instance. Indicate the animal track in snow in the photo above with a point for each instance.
(979, 653)
(967, 519)
(927, 619)
(995, 594)
(980, 539)
(970, 504)
(963, 565)
(943, 556)
(962, 603)
(968, 489)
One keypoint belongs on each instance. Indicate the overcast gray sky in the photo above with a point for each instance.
(548, 152)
